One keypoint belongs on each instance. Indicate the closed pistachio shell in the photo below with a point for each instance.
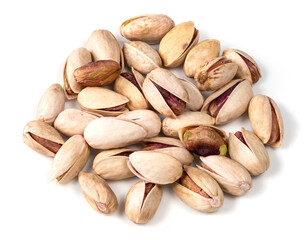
(155, 167)
(108, 132)
(51, 104)
(199, 55)
(142, 202)
(232, 177)
(97, 193)
(195, 97)
(148, 28)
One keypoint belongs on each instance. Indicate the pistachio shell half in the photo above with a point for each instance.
(195, 97)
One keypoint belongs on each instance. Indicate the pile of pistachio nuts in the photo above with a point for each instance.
(197, 158)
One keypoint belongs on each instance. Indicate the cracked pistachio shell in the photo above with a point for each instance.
(97, 193)
(215, 74)
(236, 104)
(148, 28)
(252, 74)
(70, 159)
(253, 157)
(147, 119)
(155, 167)
(104, 46)
(141, 56)
(112, 164)
(260, 114)
(176, 44)
(200, 54)
(78, 58)
(51, 104)
(232, 177)
(109, 132)
(195, 97)
(171, 126)
(140, 207)
(98, 100)
(73, 121)
(167, 81)
(207, 184)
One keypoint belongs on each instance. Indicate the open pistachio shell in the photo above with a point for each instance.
(176, 44)
(248, 150)
(232, 177)
(195, 97)
(199, 55)
(112, 164)
(155, 167)
(102, 100)
(108, 132)
(266, 120)
(142, 202)
(235, 104)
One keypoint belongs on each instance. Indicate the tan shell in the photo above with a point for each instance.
(232, 177)
(178, 151)
(261, 118)
(147, 119)
(78, 58)
(42, 130)
(70, 159)
(195, 97)
(137, 210)
(199, 55)
(254, 158)
(97, 193)
(235, 105)
(108, 132)
(109, 166)
(206, 183)
(168, 81)
(148, 28)
(51, 104)
(141, 56)
(170, 126)
(176, 44)
(155, 167)
(73, 121)
(95, 99)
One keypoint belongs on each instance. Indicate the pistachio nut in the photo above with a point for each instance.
(97, 193)
(70, 159)
(155, 167)
(232, 177)
(149, 28)
(76, 59)
(195, 97)
(247, 149)
(215, 74)
(176, 44)
(170, 146)
(112, 164)
(142, 201)
(104, 46)
(42, 138)
(141, 56)
(198, 190)
(200, 54)
(204, 140)
(247, 67)
(102, 101)
(147, 119)
(170, 126)
(229, 102)
(165, 92)
(130, 86)
(108, 132)
(73, 121)
(51, 104)
(99, 73)
(266, 120)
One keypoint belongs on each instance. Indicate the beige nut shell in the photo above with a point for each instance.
(195, 97)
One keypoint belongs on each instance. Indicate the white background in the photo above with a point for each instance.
(37, 36)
